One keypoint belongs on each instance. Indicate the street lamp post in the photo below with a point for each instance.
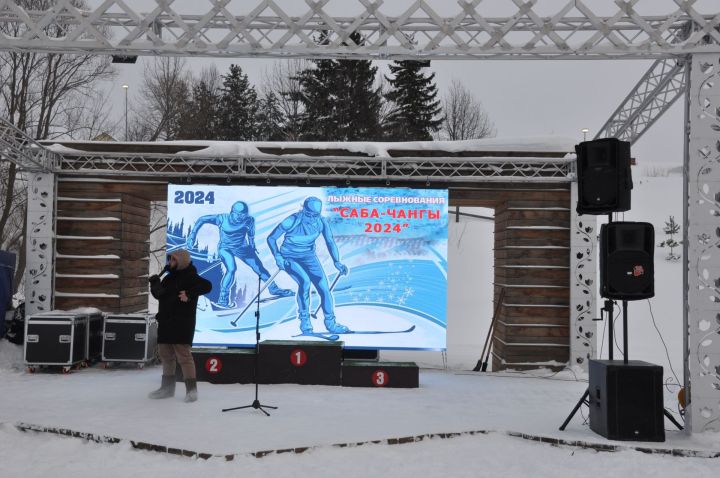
(125, 87)
(584, 132)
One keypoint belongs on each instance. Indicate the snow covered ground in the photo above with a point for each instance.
(450, 400)
(112, 403)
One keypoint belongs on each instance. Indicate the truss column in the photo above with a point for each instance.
(702, 245)
(653, 95)
(40, 238)
(583, 266)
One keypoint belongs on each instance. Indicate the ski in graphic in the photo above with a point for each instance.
(328, 336)
(335, 336)
(358, 332)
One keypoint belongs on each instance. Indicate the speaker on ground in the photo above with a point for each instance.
(626, 400)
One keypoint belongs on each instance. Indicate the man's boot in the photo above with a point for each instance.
(305, 324)
(333, 327)
(275, 290)
(167, 388)
(190, 390)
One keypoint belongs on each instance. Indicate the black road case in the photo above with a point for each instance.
(56, 339)
(129, 338)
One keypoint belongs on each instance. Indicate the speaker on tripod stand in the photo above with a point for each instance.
(627, 267)
(604, 176)
(625, 397)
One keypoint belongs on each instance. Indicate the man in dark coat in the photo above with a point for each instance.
(177, 294)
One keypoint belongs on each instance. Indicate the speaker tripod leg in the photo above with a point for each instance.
(583, 399)
(672, 419)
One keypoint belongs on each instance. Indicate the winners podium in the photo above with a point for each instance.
(305, 363)
(380, 374)
(301, 362)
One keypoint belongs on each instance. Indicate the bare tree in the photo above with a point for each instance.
(38, 92)
(164, 98)
(87, 117)
(465, 117)
(209, 76)
(386, 107)
(283, 81)
(12, 191)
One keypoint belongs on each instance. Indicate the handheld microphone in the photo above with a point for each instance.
(157, 276)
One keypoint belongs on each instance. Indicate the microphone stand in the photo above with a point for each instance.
(256, 403)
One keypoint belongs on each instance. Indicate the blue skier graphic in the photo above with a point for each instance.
(298, 258)
(237, 240)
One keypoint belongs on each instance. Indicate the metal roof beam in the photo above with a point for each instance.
(537, 29)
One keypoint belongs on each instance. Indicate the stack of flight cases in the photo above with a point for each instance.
(62, 339)
(302, 362)
(129, 338)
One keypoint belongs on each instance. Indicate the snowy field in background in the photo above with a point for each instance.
(112, 402)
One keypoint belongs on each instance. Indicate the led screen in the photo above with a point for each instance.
(365, 266)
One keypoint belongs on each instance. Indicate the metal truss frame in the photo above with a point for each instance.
(671, 33)
(569, 29)
(30, 155)
(25, 152)
(653, 95)
(333, 168)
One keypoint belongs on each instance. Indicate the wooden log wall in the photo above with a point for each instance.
(102, 245)
(532, 260)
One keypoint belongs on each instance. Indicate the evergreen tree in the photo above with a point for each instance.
(200, 118)
(340, 100)
(415, 112)
(269, 118)
(237, 112)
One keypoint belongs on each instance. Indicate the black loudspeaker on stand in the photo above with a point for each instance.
(604, 176)
(626, 260)
(625, 397)
(256, 403)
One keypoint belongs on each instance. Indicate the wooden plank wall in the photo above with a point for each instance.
(102, 247)
(532, 259)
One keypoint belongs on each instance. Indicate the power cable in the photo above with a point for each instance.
(667, 354)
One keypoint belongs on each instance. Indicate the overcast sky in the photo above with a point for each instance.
(522, 97)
